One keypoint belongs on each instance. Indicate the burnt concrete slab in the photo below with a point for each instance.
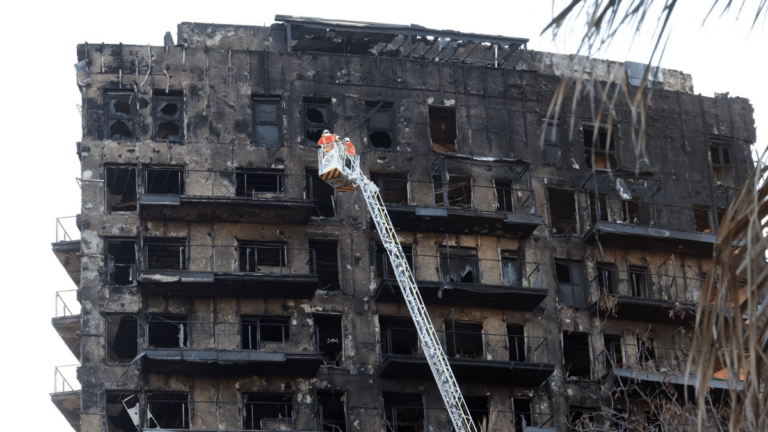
(67, 254)
(459, 221)
(230, 362)
(225, 209)
(69, 404)
(648, 310)
(613, 234)
(210, 284)
(68, 328)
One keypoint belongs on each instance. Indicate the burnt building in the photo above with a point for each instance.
(221, 285)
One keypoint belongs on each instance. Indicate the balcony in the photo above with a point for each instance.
(456, 208)
(409, 418)
(515, 360)
(251, 269)
(649, 226)
(455, 278)
(260, 197)
(67, 246)
(67, 320)
(66, 394)
(245, 349)
(642, 296)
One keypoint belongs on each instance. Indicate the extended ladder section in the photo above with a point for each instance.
(342, 171)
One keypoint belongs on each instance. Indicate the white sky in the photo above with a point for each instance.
(41, 124)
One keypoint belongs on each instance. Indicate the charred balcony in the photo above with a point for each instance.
(404, 415)
(67, 246)
(66, 394)
(240, 196)
(67, 320)
(458, 277)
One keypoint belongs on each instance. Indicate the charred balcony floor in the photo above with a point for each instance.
(230, 362)
(68, 327)
(69, 404)
(67, 254)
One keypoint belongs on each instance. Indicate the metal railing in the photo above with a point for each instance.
(251, 258)
(401, 418)
(66, 229)
(646, 285)
(246, 184)
(664, 216)
(65, 299)
(456, 267)
(462, 344)
(65, 379)
(646, 356)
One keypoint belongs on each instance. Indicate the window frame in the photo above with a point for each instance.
(572, 284)
(115, 94)
(135, 169)
(267, 100)
(176, 96)
(723, 148)
(316, 102)
(557, 143)
(390, 106)
(612, 144)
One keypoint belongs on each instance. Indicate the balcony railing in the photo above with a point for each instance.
(67, 303)
(663, 216)
(410, 418)
(646, 285)
(470, 345)
(647, 357)
(65, 378)
(66, 229)
(252, 258)
(257, 336)
(246, 184)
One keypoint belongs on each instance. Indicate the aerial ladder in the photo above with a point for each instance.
(339, 166)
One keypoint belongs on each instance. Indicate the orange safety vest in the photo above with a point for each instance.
(350, 148)
(326, 141)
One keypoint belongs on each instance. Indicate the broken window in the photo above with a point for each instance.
(639, 282)
(582, 418)
(167, 410)
(569, 283)
(598, 208)
(334, 412)
(323, 194)
(121, 191)
(384, 265)
(457, 192)
(478, 409)
(120, 115)
(464, 339)
(404, 412)
(122, 409)
(701, 220)
(317, 118)
(562, 212)
(722, 169)
(459, 265)
(253, 255)
(553, 144)
(167, 331)
(266, 121)
(253, 183)
(516, 339)
(122, 338)
(168, 115)
(612, 344)
(165, 253)
(442, 129)
(606, 278)
(599, 148)
(121, 262)
(576, 359)
(398, 336)
(164, 181)
(393, 186)
(630, 212)
(330, 339)
(511, 268)
(381, 126)
(510, 199)
(268, 411)
(260, 333)
(522, 408)
(326, 264)
(646, 353)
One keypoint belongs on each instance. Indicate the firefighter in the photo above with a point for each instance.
(349, 146)
(326, 141)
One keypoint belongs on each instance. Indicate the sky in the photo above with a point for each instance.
(40, 126)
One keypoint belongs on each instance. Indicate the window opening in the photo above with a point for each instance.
(268, 411)
(457, 191)
(464, 339)
(404, 412)
(167, 331)
(569, 282)
(122, 411)
(398, 336)
(120, 115)
(606, 278)
(334, 412)
(598, 208)
(323, 194)
(169, 112)
(253, 255)
(478, 410)
(381, 125)
(576, 359)
(459, 265)
(722, 169)
(630, 210)
(253, 183)
(599, 145)
(384, 267)
(701, 219)
(167, 410)
(317, 118)
(266, 121)
(122, 338)
(582, 418)
(639, 281)
(522, 408)
(511, 268)
(121, 188)
(165, 253)
(612, 346)
(553, 144)
(326, 264)
(164, 181)
(331, 339)
(516, 338)
(510, 199)
(261, 333)
(393, 186)
(562, 212)
(121, 262)
(645, 351)
(442, 129)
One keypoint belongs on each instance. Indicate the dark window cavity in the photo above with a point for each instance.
(120, 115)
(330, 339)
(607, 277)
(121, 190)
(442, 129)
(701, 222)
(511, 268)
(165, 253)
(259, 182)
(326, 264)
(168, 115)
(522, 409)
(456, 192)
(569, 283)
(164, 181)
(459, 265)
(266, 121)
(404, 412)
(722, 168)
(562, 212)
(324, 195)
(254, 255)
(334, 412)
(317, 118)
(576, 359)
(122, 338)
(118, 406)
(599, 148)
(121, 262)
(381, 126)
(167, 331)
(263, 333)
(598, 208)
(393, 186)
(639, 282)
(615, 356)
(268, 411)
(478, 409)
(553, 144)
(167, 410)
(464, 339)
(645, 351)
(398, 336)
(384, 267)
(516, 340)
(581, 418)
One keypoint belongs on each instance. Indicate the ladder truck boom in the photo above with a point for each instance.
(339, 166)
